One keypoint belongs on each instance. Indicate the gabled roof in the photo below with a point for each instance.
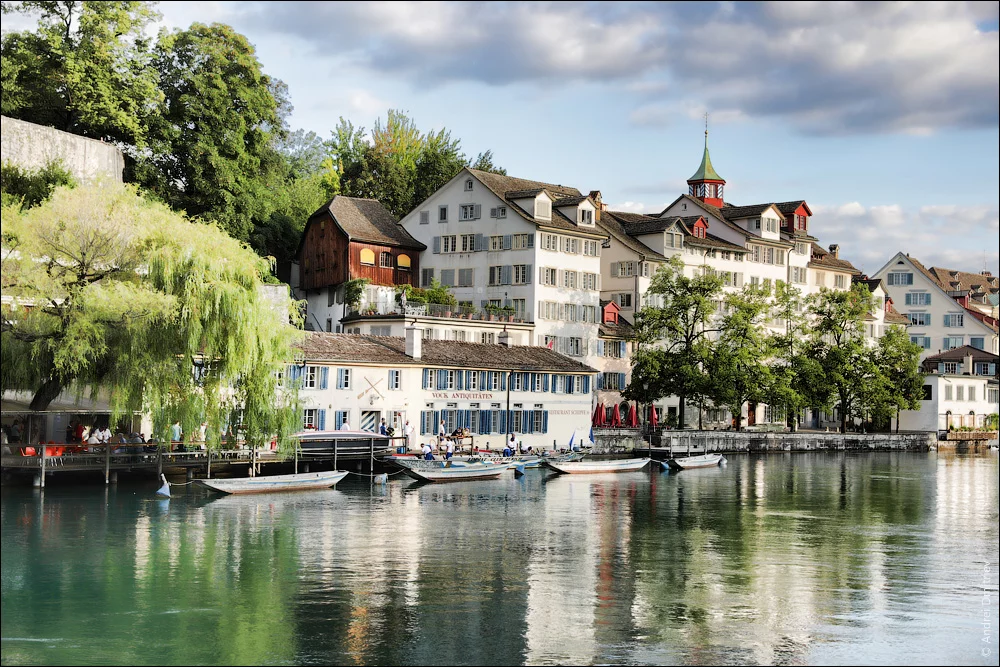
(959, 354)
(893, 317)
(365, 220)
(738, 212)
(621, 329)
(712, 241)
(525, 194)
(391, 351)
(789, 207)
(964, 281)
(872, 283)
(638, 225)
(570, 201)
(825, 260)
(609, 222)
(706, 172)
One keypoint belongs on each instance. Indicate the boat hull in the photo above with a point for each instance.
(274, 483)
(689, 462)
(458, 473)
(585, 467)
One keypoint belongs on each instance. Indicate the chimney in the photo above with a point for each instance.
(967, 365)
(504, 338)
(414, 337)
(835, 250)
(596, 196)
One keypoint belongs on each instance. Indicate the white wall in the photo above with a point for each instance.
(932, 415)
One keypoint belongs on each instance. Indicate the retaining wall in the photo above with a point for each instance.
(732, 441)
(32, 146)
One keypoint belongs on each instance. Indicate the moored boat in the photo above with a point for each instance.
(446, 471)
(303, 481)
(688, 462)
(343, 442)
(578, 467)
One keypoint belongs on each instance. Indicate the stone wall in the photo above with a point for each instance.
(31, 146)
(699, 442)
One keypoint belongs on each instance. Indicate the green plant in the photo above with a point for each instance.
(353, 289)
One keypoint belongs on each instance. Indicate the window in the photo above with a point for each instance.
(543, 209)
(468, 212)
(466, 277)
(468, 185)
(922, 341)
(950, 343)
(367, 257)
(382, 331)
(468, 242)
(521, 274)
(343, 378)
(517, 382)
(487, 338)
(550, 242)
(403, 262)
(425, 217)
(473, 382)
(801, 248)
(972, 392)
(309, 378)
(899, 278)
(928, 393)
(449, 244)
(385, 260)
(520, 242)
(496, 243)
(918, 299)
(500, 275)
(393, 380)
(537, 383)
(586, 216)
(799, 275)
(920, 319)
(588, 281)
(548, 276)
(310, 418)
(839, 281)
(442, 214)
(983, 368)
(947, 392)
(569, 279)
(590, 248)
(960, 392)
(551, 342)
(498, 212)
(426, 277)
(624, 299)
(954, 320)
(574, 346)
(537, 419)
(572, 246)
(447, 277)
(329, 324)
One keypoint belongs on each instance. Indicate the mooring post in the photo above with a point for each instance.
(208, 466)
(42, 446)
(107, 463)
(159, 460)
(189, 474)
(296, 458)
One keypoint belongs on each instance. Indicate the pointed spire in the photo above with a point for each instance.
(706, 172)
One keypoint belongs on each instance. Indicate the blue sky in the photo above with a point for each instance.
(883, 116)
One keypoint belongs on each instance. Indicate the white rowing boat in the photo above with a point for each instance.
(579, 467)
(302, 481)
(688, 462)
(457, 471)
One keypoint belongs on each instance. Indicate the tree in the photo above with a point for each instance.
(26, 188)
(440, 159)
(213, 147)
(484, 162)
(786, 347)
(739, 364)
(841, 369)
(85, 70)
(898, 363)
(673, 340)
(112, 292)
(304, 153)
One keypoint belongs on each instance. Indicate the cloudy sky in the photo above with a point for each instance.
(884, 117)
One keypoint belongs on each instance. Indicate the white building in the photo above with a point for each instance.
(960, 390)
(941, 314)
(541, 396)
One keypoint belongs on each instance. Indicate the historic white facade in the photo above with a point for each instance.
(960, 390)
(938, 320)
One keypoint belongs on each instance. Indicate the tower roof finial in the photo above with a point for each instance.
(706, 172)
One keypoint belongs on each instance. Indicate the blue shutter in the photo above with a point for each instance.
(503, 423)
(621, 381)
(992, 370)
(526, 381)
(526, 421)
(442, 381)
(940, 367)
(533, 377)
(545, 382)
(600, 348)
(545, 421)
(324, 378)
(507, 241)
(423, 422)
(586, 384)
(484, 422)
(437, 245)
(338, 419)
(600, 381)
(459, 380)
(503, 382)
(437, 420)
(322, 420)
(928, 302)
(340, 379)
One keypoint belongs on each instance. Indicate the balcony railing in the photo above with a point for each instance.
(439, 310)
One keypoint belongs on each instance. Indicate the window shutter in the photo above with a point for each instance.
(478, 212)
(426, 379)
(506, 274)
(739, 279)
(600, 381)
(526, 421)
(484, 422)
(586, 384)
(507, 242)
(503, 382)
(441, 384)
(621, 381)
(928, 301)
(928, 322)
(437, 245)
(437, 420)
(545, 382)
(338, 419)
(545, 421)
(493, 212)
(324, 377)
(600, 348)
(481, 242)
(940, 367)
(531, 240)
(992, 370)
(322, 419)
(528, 271)
(503, 422)
(460, 380)
(340, 378)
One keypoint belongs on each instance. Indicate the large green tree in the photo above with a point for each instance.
(898, 362)
(739, 365)
(85, 69)
(112, 292)
(213, 148)
(787, 346)
(674, 339)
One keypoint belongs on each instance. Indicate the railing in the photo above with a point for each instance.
(438, 310)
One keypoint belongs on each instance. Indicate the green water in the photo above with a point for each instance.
(788, 559)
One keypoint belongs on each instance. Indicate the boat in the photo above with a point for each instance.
(688, 462)
(577, 467)
(302, 481)
(449, 471)
(344, 443)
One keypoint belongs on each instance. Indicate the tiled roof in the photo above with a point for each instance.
(570, 201)
(737, 212)
(621, 329)
(959, 354)
(872, 283)
(610, 223)
(825, 260)
(367, 220)
(892, 317)
(789, 207)
(524, 194)
(963, 281)
(391, 351)
(713, 241)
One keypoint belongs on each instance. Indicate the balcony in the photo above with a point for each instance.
(488, 314)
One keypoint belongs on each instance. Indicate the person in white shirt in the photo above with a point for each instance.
(408, 432)
(450, 449)
(345, 426)
(104, 435)
(426, 449)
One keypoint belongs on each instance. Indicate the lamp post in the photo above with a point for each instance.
(649, 441)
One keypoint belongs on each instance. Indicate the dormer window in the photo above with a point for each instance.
(586, 216)
(468, 185)
(543, 209)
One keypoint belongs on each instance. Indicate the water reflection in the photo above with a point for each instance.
(796, 558)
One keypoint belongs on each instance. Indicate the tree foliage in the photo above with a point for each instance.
(26, 188)
(112, 292)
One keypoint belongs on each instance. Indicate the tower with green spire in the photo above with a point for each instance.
(706, 184)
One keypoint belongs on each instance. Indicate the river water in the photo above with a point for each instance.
(882, 558)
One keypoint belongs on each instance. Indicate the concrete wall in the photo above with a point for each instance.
(33, 146)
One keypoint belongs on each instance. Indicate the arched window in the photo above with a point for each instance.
(385, 260)
(403, 262)
(367, 256)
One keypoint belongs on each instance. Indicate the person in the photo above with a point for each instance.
(15, 431)
(408, 434)
(78, 431)
(508, 450)
(382, 428)
(345, 426)
(442, 433)
(70, 431)
(176, 432)
(428, 454)
(512, 444)
(104, 434)
(450, 451)
(203, 433)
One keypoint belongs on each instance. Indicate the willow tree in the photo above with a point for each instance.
(110, 292)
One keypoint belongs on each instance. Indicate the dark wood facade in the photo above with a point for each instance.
(328, 259)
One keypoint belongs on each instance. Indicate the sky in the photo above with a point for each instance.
(882, 116)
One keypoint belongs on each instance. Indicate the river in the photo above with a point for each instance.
(799, 558)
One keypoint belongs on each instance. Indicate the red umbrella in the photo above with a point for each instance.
(653, 421)
(616, 416)
(633, 416)
(598, 419)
